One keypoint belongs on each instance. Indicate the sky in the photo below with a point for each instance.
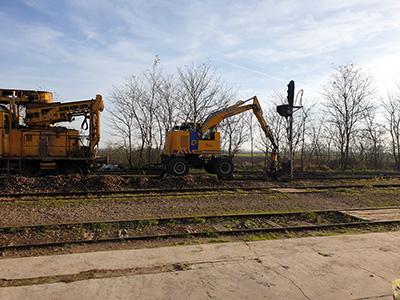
(80, 48)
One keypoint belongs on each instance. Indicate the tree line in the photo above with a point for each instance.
(348, 126)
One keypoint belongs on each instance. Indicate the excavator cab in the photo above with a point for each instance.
(209, 134)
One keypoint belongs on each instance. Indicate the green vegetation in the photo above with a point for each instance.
(218, 241)
(146, 223)
(260, 237)
(197, 220)
(101, 226)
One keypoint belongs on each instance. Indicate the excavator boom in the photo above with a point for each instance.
(218, 116)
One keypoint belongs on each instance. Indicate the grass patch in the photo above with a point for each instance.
(261, 237)
(218, 241)
(147, 223)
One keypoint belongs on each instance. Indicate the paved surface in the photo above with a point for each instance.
(337, 267)
(387, 214)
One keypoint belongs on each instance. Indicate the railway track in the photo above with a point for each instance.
(208, 226)
(259, 174)
(180, 191)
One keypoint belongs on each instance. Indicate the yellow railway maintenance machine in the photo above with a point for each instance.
(197, 145)
(30, 144)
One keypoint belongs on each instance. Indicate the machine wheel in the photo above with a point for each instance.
(178, 166)
(71, 169)
(223, 167)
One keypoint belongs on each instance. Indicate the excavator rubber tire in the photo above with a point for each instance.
(223, 167)
(178, 166)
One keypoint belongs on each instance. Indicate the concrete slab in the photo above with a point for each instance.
(387, 214)
(337, 267)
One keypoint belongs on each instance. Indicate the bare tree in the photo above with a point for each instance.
(152, 109)
(148, 104)
(319, 146)
(372, 140)
(391, 107)
(347, 94)
(234, 133)
(126, 118)
(301, 129)
(201, 92)
(169, 107)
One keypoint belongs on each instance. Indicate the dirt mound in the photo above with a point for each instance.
(20, 184)
(172, 182)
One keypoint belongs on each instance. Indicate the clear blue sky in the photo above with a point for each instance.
(79, 48)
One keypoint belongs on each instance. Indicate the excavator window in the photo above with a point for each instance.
(209, 134)
(186, 127)
(6, 123)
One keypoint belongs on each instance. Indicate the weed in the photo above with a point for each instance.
(198, 220)
(218, 241)
(340, 230)
(13, 230)
(290, 234)
(312, 217)
(183, 243)
(77, 228)
(171, 222)
(195, 243)
(212, 234)
(253, 238)
(181, 267)
(101, 226)
(146, 223)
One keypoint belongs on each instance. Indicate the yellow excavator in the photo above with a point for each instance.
(30, 144)
(197, 145)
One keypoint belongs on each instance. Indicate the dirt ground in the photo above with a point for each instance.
(94, 208)
(53, 210)
(20, 184)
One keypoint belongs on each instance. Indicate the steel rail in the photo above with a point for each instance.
(127, 192)
(183, 218)
(357, 223)
(189, 190)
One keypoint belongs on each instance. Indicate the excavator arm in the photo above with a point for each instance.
(259, 115)
(217, 117)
